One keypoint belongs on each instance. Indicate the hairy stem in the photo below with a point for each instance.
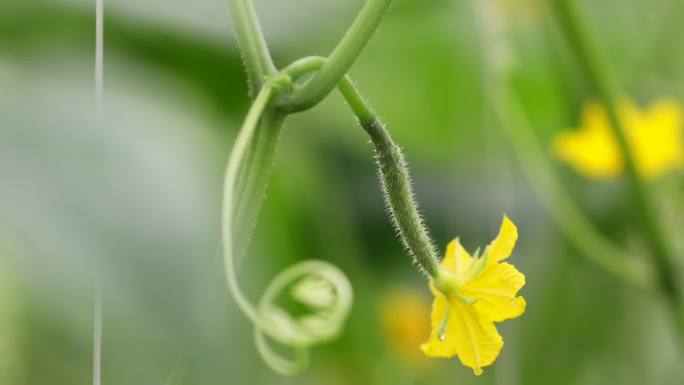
(255, 55)
(399, 196)
(394, 175)
(396, 183)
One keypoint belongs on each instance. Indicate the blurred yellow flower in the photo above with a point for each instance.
(471, 293)
(402, 316)
(654, 135)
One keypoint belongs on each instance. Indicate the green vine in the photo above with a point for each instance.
(323, 288)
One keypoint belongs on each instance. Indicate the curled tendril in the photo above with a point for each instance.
(321, 287)
(325, 290)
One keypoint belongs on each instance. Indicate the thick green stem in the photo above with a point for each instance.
(590, 59)
(394, 175)
(253, 182)
(340, 60)
(396, 183)
(255, 55)
(255, 169)
(396, 186)
(256, 166)
(259, 66)
(356, 102)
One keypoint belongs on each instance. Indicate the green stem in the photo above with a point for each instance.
(256, 166)
(269, 320)
(252, 185)
(246, 169)
(236, 156)
(396, 182)
(399, 196)
(588, 54)
(340, 60)
(356, 102)
(258, 161)
(255, 55)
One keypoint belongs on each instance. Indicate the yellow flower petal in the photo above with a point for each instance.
(591, 150)
(434, 347)
(469, 335)
(661, 129)
(654, 136)
(456, 258)
(496, 290)
(502, 246)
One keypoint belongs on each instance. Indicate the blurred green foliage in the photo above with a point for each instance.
(136, 200)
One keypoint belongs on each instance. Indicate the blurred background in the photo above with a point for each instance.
(136, 201)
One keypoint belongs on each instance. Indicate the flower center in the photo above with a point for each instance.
(450, 284)
(447, 282)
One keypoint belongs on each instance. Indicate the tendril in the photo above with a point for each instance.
(321, 287)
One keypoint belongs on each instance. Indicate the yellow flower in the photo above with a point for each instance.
(471, 293)
(653, 134)
(402, 312)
